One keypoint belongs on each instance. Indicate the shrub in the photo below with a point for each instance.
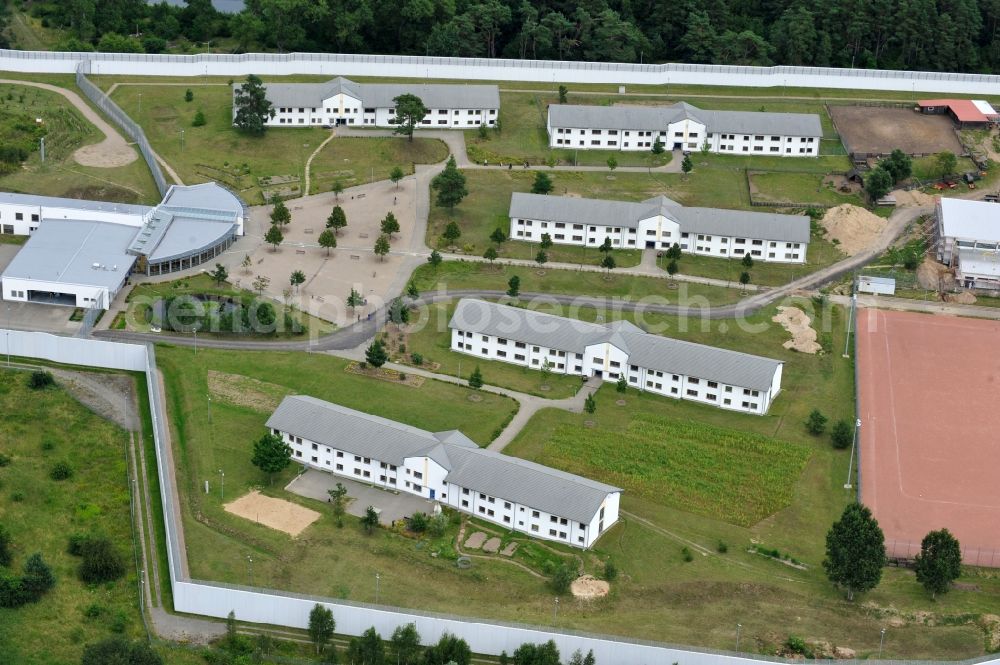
(94, 610)
(40, 379)
(437, 525)
(841, 435)
(37, 578)
(77, 544)
(188, 95)
(199, 119)
(17, 497)
(562, 578)
(816, 423)
(61, 471)
(11, 593)
(686, 555)
(418, 522)
(722, 547)
(5, 554)
(4, 459)
(402, 376)
(101, 562)
(610, 571)
(796, 644)
(48, 445)
(416, 359)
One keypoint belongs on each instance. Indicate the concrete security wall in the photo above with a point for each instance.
(73, 350)
(544, 71)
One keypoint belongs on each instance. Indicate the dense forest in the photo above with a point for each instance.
(947, 35)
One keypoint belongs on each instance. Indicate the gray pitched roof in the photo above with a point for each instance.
(715, 221)
(380, 95)
(498, 475)
(644, 349)
(65, 250)
(653, 118)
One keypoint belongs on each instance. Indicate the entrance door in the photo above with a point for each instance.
(678, 145)
(650, 244)
(432, 494)
(597, 373)
(341, 121)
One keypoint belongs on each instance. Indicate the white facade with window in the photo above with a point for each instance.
(669, 367)
(968, 240)
(341, 101)
(448, 468)
(683, 127)
(658, 223)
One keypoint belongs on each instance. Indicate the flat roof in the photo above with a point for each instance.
(206, 196)
(979, 262)
(75, 252)
(14, 198)
(965, 110)
(969, 220)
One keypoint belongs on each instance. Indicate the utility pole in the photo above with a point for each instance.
(854, 443)
(41, 149)
(850, 320)
(250, 560)
(881, 642)
(378, 577)
(209, 409)
(222, 485)
(555, 611)
(739, 627)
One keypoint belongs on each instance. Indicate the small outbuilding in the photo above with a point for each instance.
(885, 286)
(967, 113)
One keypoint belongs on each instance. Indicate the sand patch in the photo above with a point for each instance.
(588, 587)
(913, 197)
(961, 298)
(246, 391)
(855, 229)
(274, 513)
(795, 322)
(492, 546)
(476, 540)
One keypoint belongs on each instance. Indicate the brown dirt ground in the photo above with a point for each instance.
(279, 514)
(853, 227)
(588, 587)
(795, 321)
(876, 130)
(245, 391)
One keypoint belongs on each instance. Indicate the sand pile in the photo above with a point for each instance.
(854, 228)
(913, 197)
(795, 321)
(274, 513)
(588, 587)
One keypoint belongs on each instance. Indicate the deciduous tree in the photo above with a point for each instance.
(327, 240)
(274, 237)
(321, 626)
(390, 224)
(337, 219)
(220, 274)
(939, 562)
(855, 551)
(395, 175)
(271, 455)
(405, 644)
(514, 286)
(410, 111)
(381, 247)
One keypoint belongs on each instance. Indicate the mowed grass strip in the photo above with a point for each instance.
(360, 160)
(722, 473)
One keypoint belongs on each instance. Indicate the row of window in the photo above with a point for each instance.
(19, 216)
(691, 135)
(391, 111)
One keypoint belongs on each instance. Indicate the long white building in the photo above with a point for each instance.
(660, 365)
(341, 101)
(968, 240)
(446, 467)
(658, 223)
(81, 253)
(684, 127)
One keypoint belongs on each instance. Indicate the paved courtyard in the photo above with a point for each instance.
(313, 484)
(353, 264)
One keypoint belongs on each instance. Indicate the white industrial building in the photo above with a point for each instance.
(81, 253)
(658, 223)
(446, 467)
(341, 101)
(968, 240)
(660, 365)
(681, 126)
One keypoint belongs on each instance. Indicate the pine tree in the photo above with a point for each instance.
(476, 379)
(253, 109)
(449, 185)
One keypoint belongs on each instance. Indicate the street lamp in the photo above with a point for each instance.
(881, 641)
(555, 611)
(850, 462)
(850, 320)
(250, 560)
(209, 409)
(378, 577)
(222, 485)
(739, 627)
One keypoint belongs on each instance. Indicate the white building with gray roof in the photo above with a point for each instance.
(661, 365)
(446, 467)
(682, 126)
(341, 101)
(658, 223)
(81, 253)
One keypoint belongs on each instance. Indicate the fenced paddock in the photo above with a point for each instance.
(871, 131)
(929, 449)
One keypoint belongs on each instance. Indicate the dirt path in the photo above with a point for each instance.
(112, 152)
(305, 190)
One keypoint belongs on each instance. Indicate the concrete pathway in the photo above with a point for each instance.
(112, 152)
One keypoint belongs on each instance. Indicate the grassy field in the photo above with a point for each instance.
(798, 188)
(40, 428)
(356, 161)
(717, 472)
(479, 275)
(60, 175)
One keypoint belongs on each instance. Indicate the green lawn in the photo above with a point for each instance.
(478, 275)
(60, 175)
(144, 295)
(432, 339)
(798, 188)
(356, 161)
(717, 472)
(40, 428)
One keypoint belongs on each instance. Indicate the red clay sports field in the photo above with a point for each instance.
(930, 429)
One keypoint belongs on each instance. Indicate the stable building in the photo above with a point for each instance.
(81, 253)
(658, 223)
(341, 101)
(446, 467)
(967, 113)
(685, 127)
(660, 365)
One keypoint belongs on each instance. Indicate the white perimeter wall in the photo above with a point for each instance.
(331, 64)
(283, 609)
